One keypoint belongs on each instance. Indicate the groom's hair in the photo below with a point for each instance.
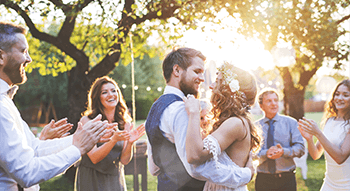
(181, 57)
(7, 34)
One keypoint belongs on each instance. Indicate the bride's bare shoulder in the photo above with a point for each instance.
(234, 125)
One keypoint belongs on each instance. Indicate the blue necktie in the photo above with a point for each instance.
(270, 141)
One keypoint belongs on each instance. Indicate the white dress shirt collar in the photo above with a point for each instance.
(4, 87)
(172, 90)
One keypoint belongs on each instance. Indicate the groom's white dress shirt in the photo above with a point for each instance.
(24, 159)
(173, 124)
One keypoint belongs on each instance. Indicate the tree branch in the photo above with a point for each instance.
(67, 28)
(106, 65)
(286, 76)
(66, 47)
(28, 21)
(71, 13)
(343, 19)
(58, 3)
(108, 62)
(305, 76)
(101, 5)
(167, 12)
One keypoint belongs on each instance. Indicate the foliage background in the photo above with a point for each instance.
(49, 88)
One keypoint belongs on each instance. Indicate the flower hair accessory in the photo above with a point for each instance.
(229, 77)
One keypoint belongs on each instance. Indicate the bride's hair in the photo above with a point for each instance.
(228, 104)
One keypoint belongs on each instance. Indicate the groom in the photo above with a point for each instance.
(166, 128)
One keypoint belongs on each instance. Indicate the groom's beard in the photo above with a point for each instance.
(188, 87)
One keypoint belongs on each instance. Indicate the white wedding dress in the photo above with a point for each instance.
(337, 177)
(211, 144)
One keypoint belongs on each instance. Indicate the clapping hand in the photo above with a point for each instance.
(308, 128)
(85, 137)
(303, 133)
(119, 135)
(110, 130)
(275, 152)
(135, 134)
(56, 129)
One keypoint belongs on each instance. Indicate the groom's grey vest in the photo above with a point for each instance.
(173, 175)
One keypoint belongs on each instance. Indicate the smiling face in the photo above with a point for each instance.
(218, 77)
(192, 77)
(109, 96)
(270, 105)
(15, 60)
(341, 99)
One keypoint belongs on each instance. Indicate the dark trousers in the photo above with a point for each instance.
(276, 182)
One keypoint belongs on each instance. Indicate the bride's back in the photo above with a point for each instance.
(239, 150)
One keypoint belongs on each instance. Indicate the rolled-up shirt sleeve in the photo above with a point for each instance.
(18, 159)
(297, 147)
(50, 146)
(221, 174)
(262, 155)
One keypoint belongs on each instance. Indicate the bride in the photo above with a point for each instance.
(233, 135)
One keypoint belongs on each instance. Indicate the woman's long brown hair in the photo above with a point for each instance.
(95, 107)
(331, 110)
(228, 104)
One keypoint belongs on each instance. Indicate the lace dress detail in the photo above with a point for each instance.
(212, 145)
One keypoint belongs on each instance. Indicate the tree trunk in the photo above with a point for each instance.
(294, 93)
(293, 97)
(294, 102)
(78, 87)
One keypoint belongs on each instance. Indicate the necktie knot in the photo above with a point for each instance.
(12, 91)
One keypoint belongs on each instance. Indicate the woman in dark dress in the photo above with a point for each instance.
(102, 168)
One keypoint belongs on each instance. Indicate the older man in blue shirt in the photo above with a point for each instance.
(282, 142)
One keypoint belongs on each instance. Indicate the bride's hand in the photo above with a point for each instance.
(191, 104)
(309, 126)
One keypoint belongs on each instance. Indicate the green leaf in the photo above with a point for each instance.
(133, 6)
(121, 34)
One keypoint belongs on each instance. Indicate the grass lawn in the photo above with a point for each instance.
(314, 182)
(315, 175)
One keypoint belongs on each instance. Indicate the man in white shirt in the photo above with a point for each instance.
(25, 160)
(166, 128)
